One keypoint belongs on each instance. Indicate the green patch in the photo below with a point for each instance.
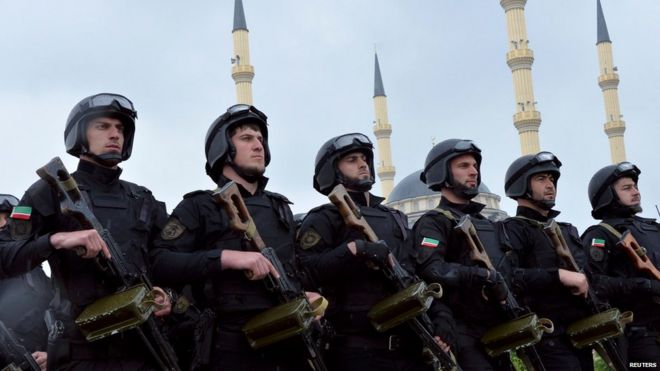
(309, 239)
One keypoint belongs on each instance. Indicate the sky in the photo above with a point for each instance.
(442, 62)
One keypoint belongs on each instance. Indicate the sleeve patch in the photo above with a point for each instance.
(309, 239)
(430, 242)
(596, 253)
(21, 213)
(172, 230)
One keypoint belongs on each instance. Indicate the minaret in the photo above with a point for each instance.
(520, 58)
(608, 80)
(382, 131)
(241, 71)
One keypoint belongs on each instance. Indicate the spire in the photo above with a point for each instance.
(239, 16)
(603, 35)
(379, 90)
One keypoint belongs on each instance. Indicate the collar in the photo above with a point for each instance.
(535, 215)
(471, 207)
(360, 199)
(101, 174)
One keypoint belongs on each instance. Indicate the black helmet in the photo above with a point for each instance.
(219, 148)
(436, 168)
(326, 175)
(601, 194)
(99, 105)
(516, 181)
(7, 203)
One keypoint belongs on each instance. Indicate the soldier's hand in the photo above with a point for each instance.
(577, 282)
(444, 346)
(253, 263)
(375, 252)
(162, 302)
(41, 358)
(496, 289)
(89, 240)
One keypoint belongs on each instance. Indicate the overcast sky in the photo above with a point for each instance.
(442, 62)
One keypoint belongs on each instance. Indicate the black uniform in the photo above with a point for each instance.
(443, 256)
(626, 287)
(133, 216)
(535, 280)
(352, 288)
(188, 252)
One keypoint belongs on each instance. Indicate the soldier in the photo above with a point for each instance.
(538, 277)
(100, 131)
(24, 300)
(198, 246)
(473, 293)
(337, 258)
(616, 201)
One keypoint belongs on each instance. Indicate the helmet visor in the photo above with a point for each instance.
(460, 147)
(351, 139)
(119, 101)
(240, 109)
(538, 159)
(7, 202)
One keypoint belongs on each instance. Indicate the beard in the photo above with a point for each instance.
(358, 184)
(464, 191)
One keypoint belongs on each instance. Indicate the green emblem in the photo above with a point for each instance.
(597, 253)
(172, 230)
(309, 239)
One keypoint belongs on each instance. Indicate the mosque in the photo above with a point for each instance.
(411, 195)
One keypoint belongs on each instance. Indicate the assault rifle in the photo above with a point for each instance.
(605, 324)
(525, 329)
(11, 351)
(132, 305)
(421, 324)
(295, 316)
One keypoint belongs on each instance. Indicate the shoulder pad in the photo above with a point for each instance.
(321, 208)
(195, 193)
(278, 196)
(42, 198)
(135, 188)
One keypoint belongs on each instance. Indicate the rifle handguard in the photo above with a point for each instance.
(602, 326)
(116, 313)
(283, 321)
(515, 334)
(404, 305)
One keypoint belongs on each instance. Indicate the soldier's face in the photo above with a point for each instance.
(543, 187)
(627, 192)
(354, 166)
(105, 135)
(3, 219)
(465, 171)
(250, 154)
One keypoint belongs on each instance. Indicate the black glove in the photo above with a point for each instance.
(496, 289)
(374, 252)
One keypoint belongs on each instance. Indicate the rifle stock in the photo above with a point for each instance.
(637, 255)
(606, 347)
(422, 324)
(73, 204)
(14, 353)
(528, 354)
(294, 299)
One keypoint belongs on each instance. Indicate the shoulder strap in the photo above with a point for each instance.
(446, 213)
(611, 229)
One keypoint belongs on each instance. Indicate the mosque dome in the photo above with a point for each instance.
(413, 197)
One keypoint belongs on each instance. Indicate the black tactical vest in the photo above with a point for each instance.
(230, 291)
